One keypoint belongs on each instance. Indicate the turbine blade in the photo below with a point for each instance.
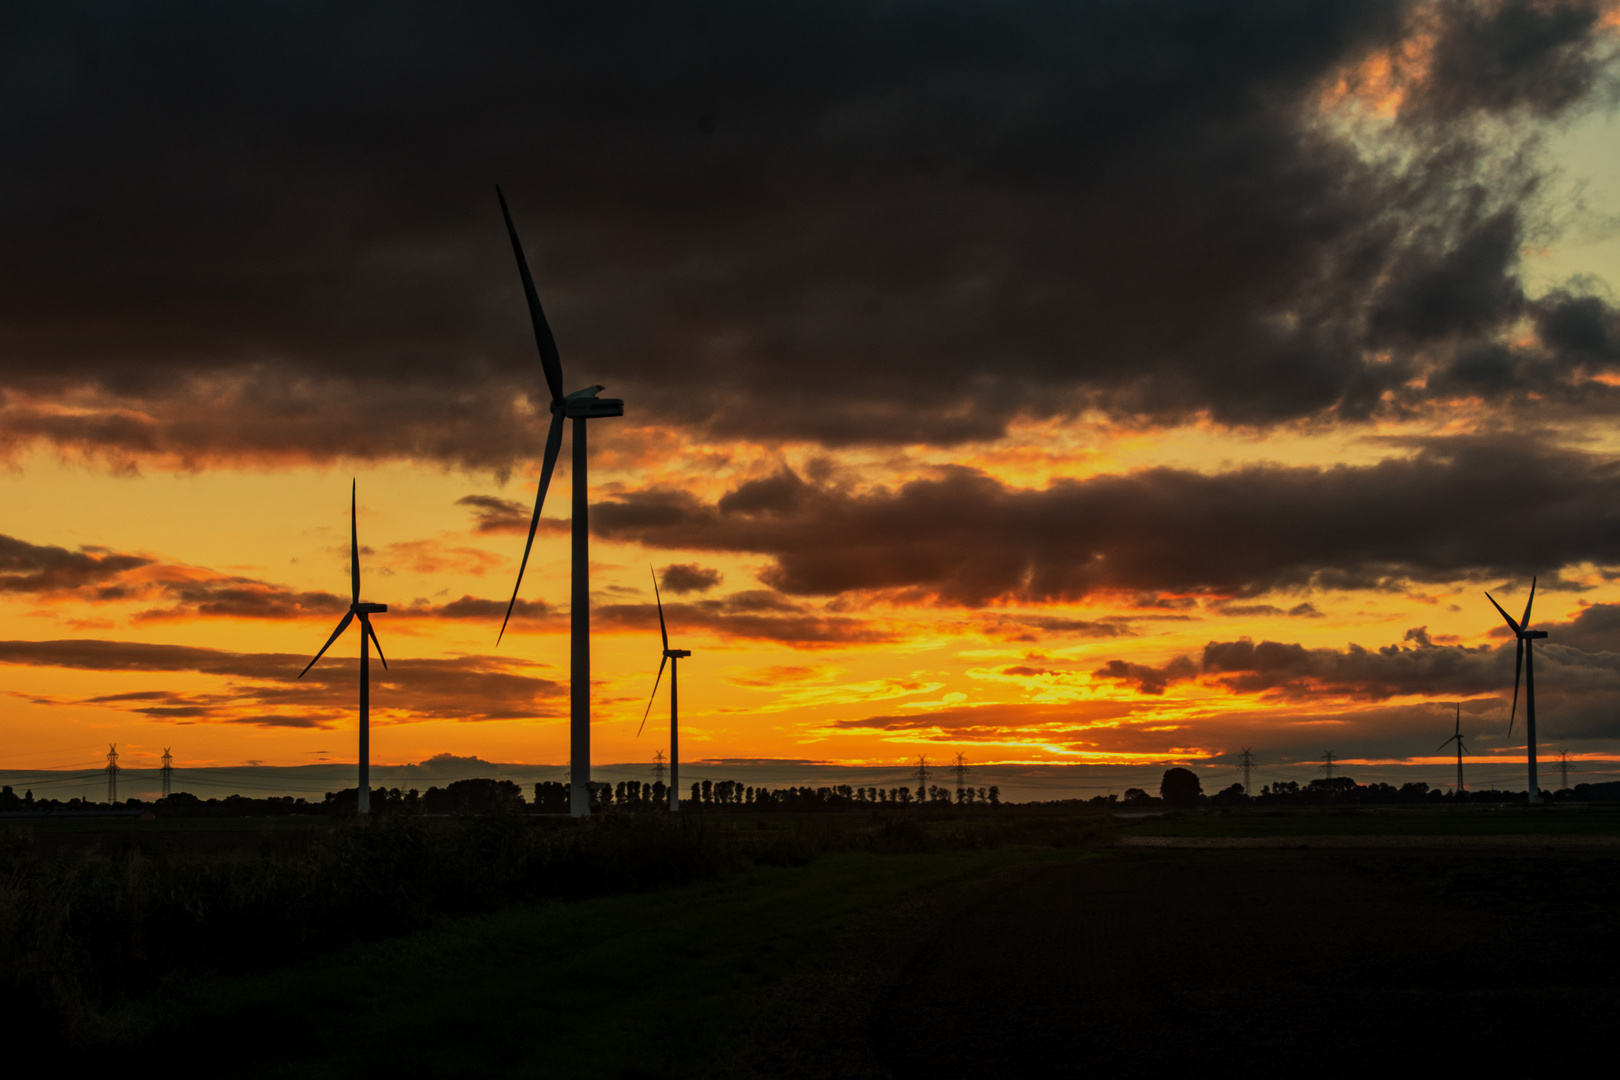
(650, 697)
(553, 444)
(343, 625)
(1518, 667)
(354, 550)
(1445, 744)
(662, 629)
(1505, 615)
(366, 627)
(1525, 622)
(549, 360)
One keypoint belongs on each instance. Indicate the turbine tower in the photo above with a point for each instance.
(1458, 739)
(1525, 661)
(367, 634)
(580, 406)
(672, 657)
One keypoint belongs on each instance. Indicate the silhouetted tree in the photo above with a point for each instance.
(551, 797)
(1180, 787)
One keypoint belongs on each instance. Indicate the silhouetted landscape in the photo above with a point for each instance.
(1011, 933)
(1101, 558)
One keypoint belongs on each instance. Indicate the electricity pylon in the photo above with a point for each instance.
(922, 777)
(1247, 761)
(1563, 769)
(1327, 763)
(167, 772)
(961, 771)
(659, 767)
(112, 773)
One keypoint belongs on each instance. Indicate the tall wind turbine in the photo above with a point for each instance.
(672, 657)
(580, 406)
(1457, 738)
(1526, 661)
(365, 611)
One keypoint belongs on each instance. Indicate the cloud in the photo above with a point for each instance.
(847, 223)
(96, 575)
(682, 578)
(1148, 680)
(966, 538)
(39, 569)
(749, 616)
(496, 515)
(1577, 681)
(264, 688)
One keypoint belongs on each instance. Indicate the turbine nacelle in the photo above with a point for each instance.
(677, 654)
(585, 405)
(367, 609)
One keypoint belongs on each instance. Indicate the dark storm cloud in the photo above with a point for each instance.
(259, 229)
(1458, 509)
(459, 688)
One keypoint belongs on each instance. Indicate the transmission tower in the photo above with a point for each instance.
(659, 768)
(961, 771)
(167, 772)
(1563, 768)
(1247, 761)
(923, 774)
(112, 773)
(1327, 763)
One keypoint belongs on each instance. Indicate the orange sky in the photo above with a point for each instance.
(980, 407)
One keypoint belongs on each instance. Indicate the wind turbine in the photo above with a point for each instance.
(672, 657)
(365, 611)
(580, 406)
(1457, 738)
(1525, 660)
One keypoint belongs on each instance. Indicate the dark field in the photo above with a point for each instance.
(968, 948)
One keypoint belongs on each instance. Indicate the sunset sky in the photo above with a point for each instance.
(1114, 382)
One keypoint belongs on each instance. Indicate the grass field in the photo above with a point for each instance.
(948, 948)
(671, 982)
(1424, 821)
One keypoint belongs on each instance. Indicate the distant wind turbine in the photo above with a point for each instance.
(365, 611)
(1458, 739)
(672, 657)
(580, 406)
(1526, 661)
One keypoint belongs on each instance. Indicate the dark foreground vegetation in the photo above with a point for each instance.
(90, 918)
(101, 918)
